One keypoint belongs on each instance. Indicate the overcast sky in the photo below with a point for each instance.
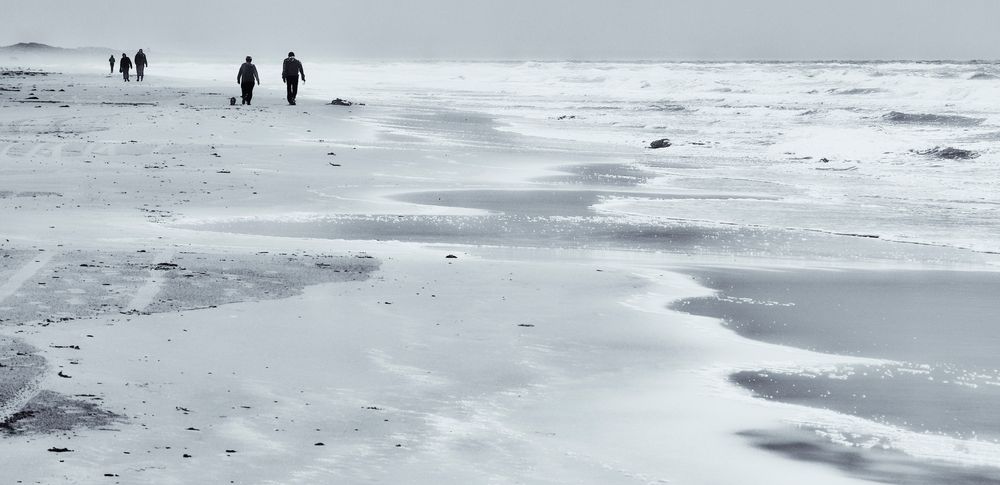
(519, 29)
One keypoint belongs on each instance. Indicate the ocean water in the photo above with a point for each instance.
(849, 148)
(880, 163)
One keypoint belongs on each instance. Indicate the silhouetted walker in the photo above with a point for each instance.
(112, 61)
(246, 77)
(290, 72)
(124, 66)
(140, 64)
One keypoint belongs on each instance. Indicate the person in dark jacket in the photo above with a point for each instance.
(140, 64)
(112, 61)
(124, 66)
(290, 72)
(246, 77)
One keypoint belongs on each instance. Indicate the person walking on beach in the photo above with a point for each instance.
(140, 64)
(124, 66)
(246, 77)
(290, 71)
(112, 61)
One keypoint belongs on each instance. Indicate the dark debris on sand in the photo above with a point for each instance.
(344, 102)
(50, 411)
(661, 143)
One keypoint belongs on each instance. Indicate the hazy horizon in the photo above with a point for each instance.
(710, 30)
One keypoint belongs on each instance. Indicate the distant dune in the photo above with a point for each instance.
(38, 49)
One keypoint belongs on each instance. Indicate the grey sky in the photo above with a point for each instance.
(520, 29)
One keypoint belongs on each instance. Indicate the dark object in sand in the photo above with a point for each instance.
(949, 153)
(230, 451)
(60, 450)
(185, 455)
(930, 119)
(341, 102)
(64, 376)
(661, 143)
(451, 256)
(526, 325)
(566, 117)
(232, 101)
(319, 444)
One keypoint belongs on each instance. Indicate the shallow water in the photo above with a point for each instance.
(939, 327)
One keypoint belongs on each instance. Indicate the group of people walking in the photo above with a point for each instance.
(247, 77)
(126, 65)
(291, 70)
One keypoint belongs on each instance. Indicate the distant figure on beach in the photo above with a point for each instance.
(246, 77)
(140, 64)
(124, 66)
(290, 72)
(112, 61)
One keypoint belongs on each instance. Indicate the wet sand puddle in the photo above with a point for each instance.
(83, 284)
(940, 387)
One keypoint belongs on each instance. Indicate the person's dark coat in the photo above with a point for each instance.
(247, 74)
(140, 60)
(125, 64)
(292, 69)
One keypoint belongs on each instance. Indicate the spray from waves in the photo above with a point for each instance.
(855, 91)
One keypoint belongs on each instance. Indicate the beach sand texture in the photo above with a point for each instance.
(429, 293)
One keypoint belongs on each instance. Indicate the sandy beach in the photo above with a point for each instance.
(396, 293)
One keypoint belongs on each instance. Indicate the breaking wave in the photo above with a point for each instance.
(931, 119)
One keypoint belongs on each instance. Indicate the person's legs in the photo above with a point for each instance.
(138, 73)
(247, 92)
(112, 68)
(125, 75)
(291, 86)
